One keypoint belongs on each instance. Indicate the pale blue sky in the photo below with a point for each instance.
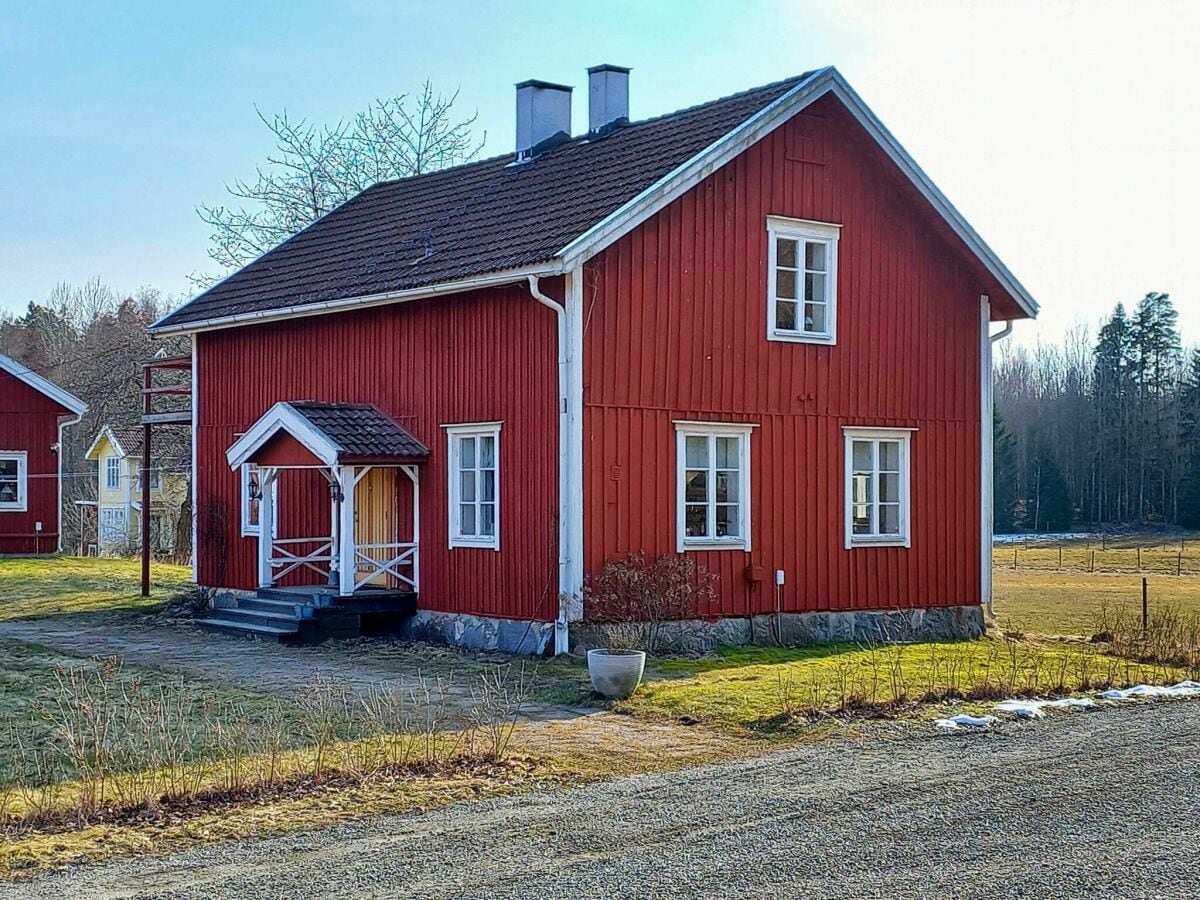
(1066, 132)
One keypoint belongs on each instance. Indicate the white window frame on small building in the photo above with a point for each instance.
(711, 431)
(804, 272)
(21, 458)
(870, 477)
(455, 434)
(112, 467)
(249, 504)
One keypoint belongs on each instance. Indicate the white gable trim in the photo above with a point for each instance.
(282, 417)
(105, 433)
(42, 386)
(824, 81)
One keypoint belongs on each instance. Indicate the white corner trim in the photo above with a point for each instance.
(42, 385)
(850, 433)
(743, 430)
(282, 417)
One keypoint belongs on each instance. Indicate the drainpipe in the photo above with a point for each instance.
(62, 425)
(987, 438)
(561, 623)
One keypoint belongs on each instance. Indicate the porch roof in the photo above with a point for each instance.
(334, 433)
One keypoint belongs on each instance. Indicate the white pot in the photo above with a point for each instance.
(616, 674)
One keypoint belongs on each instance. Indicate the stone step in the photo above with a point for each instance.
(293, 607)
(245, 629)
(272, 618)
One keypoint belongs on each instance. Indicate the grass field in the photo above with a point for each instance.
(107, 587)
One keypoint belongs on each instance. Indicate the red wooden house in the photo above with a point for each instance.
(33, 414)
(752, 331)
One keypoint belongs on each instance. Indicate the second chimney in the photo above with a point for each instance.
(608, 97)
(543, 116)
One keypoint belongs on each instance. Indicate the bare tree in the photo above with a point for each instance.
(314, 169)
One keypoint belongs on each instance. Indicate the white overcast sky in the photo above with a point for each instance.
(1068, 133)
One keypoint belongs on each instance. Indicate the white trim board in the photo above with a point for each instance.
(282, 417)
(42, 385)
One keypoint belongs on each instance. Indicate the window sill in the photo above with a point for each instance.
(860, 542)
(13, 508)
(464, 544)
(713, 544)
(797, 337)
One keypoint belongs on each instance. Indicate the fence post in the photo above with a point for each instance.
(1060, 556)
(1092, 566)
(1179, 563)
(1014, 557)
(1145, 608)
(1139, 557)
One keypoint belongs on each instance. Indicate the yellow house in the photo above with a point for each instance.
(117, 450)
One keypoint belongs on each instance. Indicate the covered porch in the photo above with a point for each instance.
(367, 540)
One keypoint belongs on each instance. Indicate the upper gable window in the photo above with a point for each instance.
(112, 473)
(801, 280)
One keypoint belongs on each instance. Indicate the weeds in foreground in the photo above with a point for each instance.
(116, 750)
(1168, 636)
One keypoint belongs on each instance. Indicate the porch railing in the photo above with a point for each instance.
(286, 561)
(386, 559)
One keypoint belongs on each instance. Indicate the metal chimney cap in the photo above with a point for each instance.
(608, 67)
(544, 85)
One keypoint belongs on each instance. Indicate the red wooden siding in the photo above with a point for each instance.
(676, 329)
(476, 357)
(29, 422)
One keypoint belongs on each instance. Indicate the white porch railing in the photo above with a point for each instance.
(390, 564)
(286, 561)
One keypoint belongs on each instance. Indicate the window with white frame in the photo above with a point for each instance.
(712, 485)
(112, 472)
(801, 280)
(156, 476)
(877, 486)
(474, 454)
(251, 498)
(14, 481)
(112, 525)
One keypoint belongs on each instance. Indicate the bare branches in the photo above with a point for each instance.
(314, 169)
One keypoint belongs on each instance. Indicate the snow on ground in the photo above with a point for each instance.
(962, 720)
(1034, 709)
(1044, 536)
(1154, 692)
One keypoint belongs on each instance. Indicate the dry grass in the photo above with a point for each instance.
(110, 587)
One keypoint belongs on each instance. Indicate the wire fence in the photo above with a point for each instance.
(1180, 557)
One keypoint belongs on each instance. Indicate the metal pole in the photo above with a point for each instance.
(1145, 608)
(145, 522)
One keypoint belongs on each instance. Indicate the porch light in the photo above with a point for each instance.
(255, 487)
(335, 492)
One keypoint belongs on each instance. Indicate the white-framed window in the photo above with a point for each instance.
(14, 481)
(251, 502)
(878, 487)
(112, 525)
(156, 476)
(474, 489)
(112, 472)
(801, 280)
(712, 479)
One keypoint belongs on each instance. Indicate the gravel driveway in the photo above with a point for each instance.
(1105, 803)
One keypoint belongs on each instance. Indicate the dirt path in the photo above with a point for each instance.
(268, 668)
(1102, 804)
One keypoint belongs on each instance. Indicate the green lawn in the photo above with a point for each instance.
(46, 587)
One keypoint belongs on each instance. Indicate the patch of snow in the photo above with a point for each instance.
(1153, 691)
(1043, 536)
(1032, 709)
(963, 720)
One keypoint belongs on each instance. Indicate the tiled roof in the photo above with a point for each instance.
(473, 219)
(361, 430)
(129, 437)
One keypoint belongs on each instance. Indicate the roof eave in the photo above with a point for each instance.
(65, 399)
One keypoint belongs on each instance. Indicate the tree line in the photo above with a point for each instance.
(1100, 432)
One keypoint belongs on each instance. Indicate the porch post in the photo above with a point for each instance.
(413, 474)
(266, 525)
(347, 570)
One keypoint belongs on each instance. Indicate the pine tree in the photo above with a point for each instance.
(1004, 477)
(1157, 358)
(1189, 419)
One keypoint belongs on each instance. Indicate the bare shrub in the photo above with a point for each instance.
(638, 589)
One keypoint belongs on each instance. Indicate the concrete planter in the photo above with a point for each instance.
(616, 674)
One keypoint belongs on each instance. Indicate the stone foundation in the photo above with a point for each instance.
(479, 632)
(798, 629)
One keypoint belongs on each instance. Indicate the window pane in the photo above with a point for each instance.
(862, 456)
(814, 288)
(889, 456)
(466, 453)
(8, 468)
(814, 317)
(466, 521)
(696, 490)
(889, 487)
(727, 521)
(889, 518)
(466, 486)
(814, 257)
(696, 452)
(785, 316)
(785, 252)
(487, 485)
(785, 284)
(860, 489)
(487, 519)
(727, 487)
(487, 453)
(861, 519)
(727, 452)
(696, 521)
(8, 492)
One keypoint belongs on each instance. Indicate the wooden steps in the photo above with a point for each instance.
(309, 615)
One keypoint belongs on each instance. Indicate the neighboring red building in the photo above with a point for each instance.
(767, 346)
(33, 414)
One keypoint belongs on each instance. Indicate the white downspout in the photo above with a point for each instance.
(986, 437)
(569, 456)
(62, 425)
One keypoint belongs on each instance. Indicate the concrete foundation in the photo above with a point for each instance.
(479, 632)
(798, 629)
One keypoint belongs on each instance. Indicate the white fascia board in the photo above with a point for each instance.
(494, 279)
(282, 417)
(93, 452)
(42, 386)
(686, 176)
